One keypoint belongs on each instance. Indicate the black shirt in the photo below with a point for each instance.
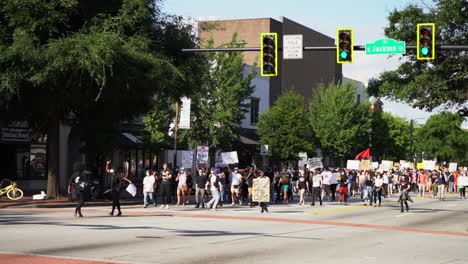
(201, 180)
(404, 182)
(343, 181)
(164, 178)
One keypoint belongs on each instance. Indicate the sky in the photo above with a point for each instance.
(367, 17)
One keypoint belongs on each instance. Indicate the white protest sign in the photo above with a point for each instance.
(314, 163)
(292, 47)
(387, 165)
(352, 164)
(452, 167)
(229, 157)
(375, 165)
(131, 189)
(463, 180)
(405, 165)
(202, 154)
(429, 164)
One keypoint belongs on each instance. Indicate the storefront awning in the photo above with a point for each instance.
(247, 141)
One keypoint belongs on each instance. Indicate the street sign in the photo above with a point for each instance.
(292, 47)
(386, 46)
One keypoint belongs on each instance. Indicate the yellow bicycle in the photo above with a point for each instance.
(12, 190)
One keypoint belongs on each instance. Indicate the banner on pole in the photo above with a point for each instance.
(202, 154)
(184, 121)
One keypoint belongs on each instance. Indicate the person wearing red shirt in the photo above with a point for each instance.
(422, 181)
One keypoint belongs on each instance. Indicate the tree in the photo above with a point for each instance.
(98, 62)
(429, 84)
(340, 125)
(220, 104)
(443, 138)
(390, 136)
(283, 127)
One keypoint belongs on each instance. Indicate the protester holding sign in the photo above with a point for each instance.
(462, 183)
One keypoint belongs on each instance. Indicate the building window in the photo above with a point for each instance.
(254, 110)
(358, 98)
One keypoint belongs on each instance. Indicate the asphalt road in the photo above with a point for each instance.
(431, 232)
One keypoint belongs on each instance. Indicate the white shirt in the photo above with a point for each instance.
(385, 179)
(182, 179)
(316, 180)
(326, 177)
(378, 182)
(212, 182)
(148, 183)
(236, 177)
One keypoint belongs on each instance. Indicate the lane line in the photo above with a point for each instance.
(264, 219)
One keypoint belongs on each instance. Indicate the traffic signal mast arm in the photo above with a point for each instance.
(333, 48)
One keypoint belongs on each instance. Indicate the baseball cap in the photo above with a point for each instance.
(182, 169)
(216, 171)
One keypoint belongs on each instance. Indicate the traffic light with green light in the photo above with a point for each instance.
(425, 41)
(345, 45)
(269, 54)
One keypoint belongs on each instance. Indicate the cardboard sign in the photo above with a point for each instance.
(202, 154)
(352, 164)
(375, 165)
(261, 190)
(365, 165)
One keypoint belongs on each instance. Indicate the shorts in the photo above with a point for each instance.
(326, 188)
(235, 190)
(285, 187)
(182, 187)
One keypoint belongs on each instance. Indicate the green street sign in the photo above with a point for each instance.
(386, 46)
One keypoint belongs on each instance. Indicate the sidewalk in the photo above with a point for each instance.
(28, 202)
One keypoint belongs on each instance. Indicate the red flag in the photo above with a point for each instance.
(364, 154)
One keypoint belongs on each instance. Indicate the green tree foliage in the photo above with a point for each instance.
(340, 125)
(157, 124)
(220, 104)
(443, 138)
(283, 127)
(429, 84)
(97, 62)
(390, 136)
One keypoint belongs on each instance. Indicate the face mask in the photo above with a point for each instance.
(147, 173)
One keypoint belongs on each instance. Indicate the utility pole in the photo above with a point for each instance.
(176, 132)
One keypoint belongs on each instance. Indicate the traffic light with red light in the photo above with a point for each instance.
(344, 45)
(269, 54)
(425, 41)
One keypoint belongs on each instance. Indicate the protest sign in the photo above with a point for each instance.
(261, 190)
(365, 165)
(387, 165)
(452, 167)
(202, 154)
(229, 157)
(314, 163)
(375, 165)
(420, 165)
(429, 164)
(187, 158)
(352, 164)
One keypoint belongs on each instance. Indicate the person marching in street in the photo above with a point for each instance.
(285, 183)
(422, 182)
(264, 205)
(462, 183)
(119, 183)
(405, 185)
(277, 186)
(302, 186)
(148, 189)
(236, 179)
(200, 182)
(181, 186)
(369, 183)
(343, 187)
(440, 186)
(326, 184)
(215, 186)
(79, 182)
(166, 176)
(250, 176)
(378, 189)
(316, 187)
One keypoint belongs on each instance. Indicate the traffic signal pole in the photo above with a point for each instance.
(331, 48)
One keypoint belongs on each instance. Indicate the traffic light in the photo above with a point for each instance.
(426, 41)
(345, 45)
(269, 51)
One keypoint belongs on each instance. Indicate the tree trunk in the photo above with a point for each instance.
(53, 153)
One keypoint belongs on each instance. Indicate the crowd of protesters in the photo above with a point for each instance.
(234, 186)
